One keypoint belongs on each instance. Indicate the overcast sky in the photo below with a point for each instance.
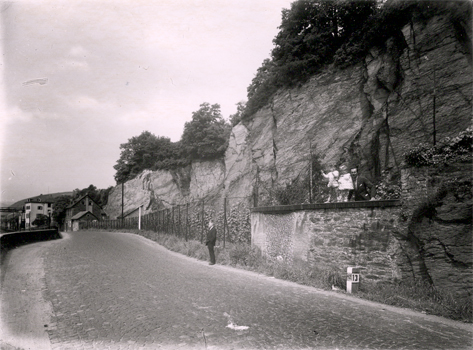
(82, 77)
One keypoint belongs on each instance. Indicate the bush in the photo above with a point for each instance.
(389, 187)
(239, 254)
(449, 150)
(420, 296)
(297, 191)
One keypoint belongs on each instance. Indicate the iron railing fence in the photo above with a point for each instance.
(231, 217)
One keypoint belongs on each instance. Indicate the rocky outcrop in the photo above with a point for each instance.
(436, 232)
(370, 114)
(238, 180)
(152, 190)
(206, 179)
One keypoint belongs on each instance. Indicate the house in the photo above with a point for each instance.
(35, 207)
(83, 209)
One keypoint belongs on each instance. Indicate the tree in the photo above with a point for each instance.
(143, 152)
(262, 76)
(59, 209)
(312, 31)
(206, 136)
(235, 118)
(41, 220)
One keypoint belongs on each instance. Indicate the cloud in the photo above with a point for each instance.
(13, 114)
(83, 102)
(72, 64)
(77, 51)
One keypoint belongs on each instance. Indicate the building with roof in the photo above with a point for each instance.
(83, 209)
(35, 207)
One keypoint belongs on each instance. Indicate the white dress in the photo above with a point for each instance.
(345, 182)
(332, 178)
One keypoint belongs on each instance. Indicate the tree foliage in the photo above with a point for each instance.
(236, 118)
(146, 151)
(312, 31)
(310, 34)
(206, 135)
(59, 209)
(41, 220)
(99, 196)
(317, 33)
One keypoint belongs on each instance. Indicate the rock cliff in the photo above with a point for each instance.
(435, 239)
(366, 115)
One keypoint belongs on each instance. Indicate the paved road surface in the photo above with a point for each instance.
(98, 290)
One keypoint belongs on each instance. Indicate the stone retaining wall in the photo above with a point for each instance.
(334, 235)
(12, 240)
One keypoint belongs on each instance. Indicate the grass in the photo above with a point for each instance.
(416, 295)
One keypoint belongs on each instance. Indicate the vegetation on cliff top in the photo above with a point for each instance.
(317, 33)
(205, 137)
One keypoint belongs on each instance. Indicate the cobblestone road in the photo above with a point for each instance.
(121, 291)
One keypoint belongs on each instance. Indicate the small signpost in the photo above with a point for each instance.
(139, 217)
(353, 279)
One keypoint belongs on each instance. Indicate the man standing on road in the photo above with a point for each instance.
(211, 240)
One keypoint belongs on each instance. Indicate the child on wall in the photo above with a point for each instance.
(345, 184)
(332, 177)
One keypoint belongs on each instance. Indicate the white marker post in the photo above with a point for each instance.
(139, 218)
(353, 279)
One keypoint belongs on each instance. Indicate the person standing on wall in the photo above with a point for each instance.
(345, 184)
(210, 241)
(332, 177)
(363, 189)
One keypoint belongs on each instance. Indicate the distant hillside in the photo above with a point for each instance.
(44, 198)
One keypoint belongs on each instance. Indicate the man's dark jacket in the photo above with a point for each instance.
(211, 236)
(363, 191)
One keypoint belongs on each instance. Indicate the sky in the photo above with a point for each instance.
(79, 78)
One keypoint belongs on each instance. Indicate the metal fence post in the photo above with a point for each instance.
(202, 231)
(224, 219)
(179, 220)
(168, 220)
(187, 219)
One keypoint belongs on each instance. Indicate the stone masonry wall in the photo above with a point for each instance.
(332, 235)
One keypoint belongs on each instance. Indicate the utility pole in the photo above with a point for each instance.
(310, 171)
(433, 117)
(203, 224)
(434, 133)
(122, 201)
(224, 219)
